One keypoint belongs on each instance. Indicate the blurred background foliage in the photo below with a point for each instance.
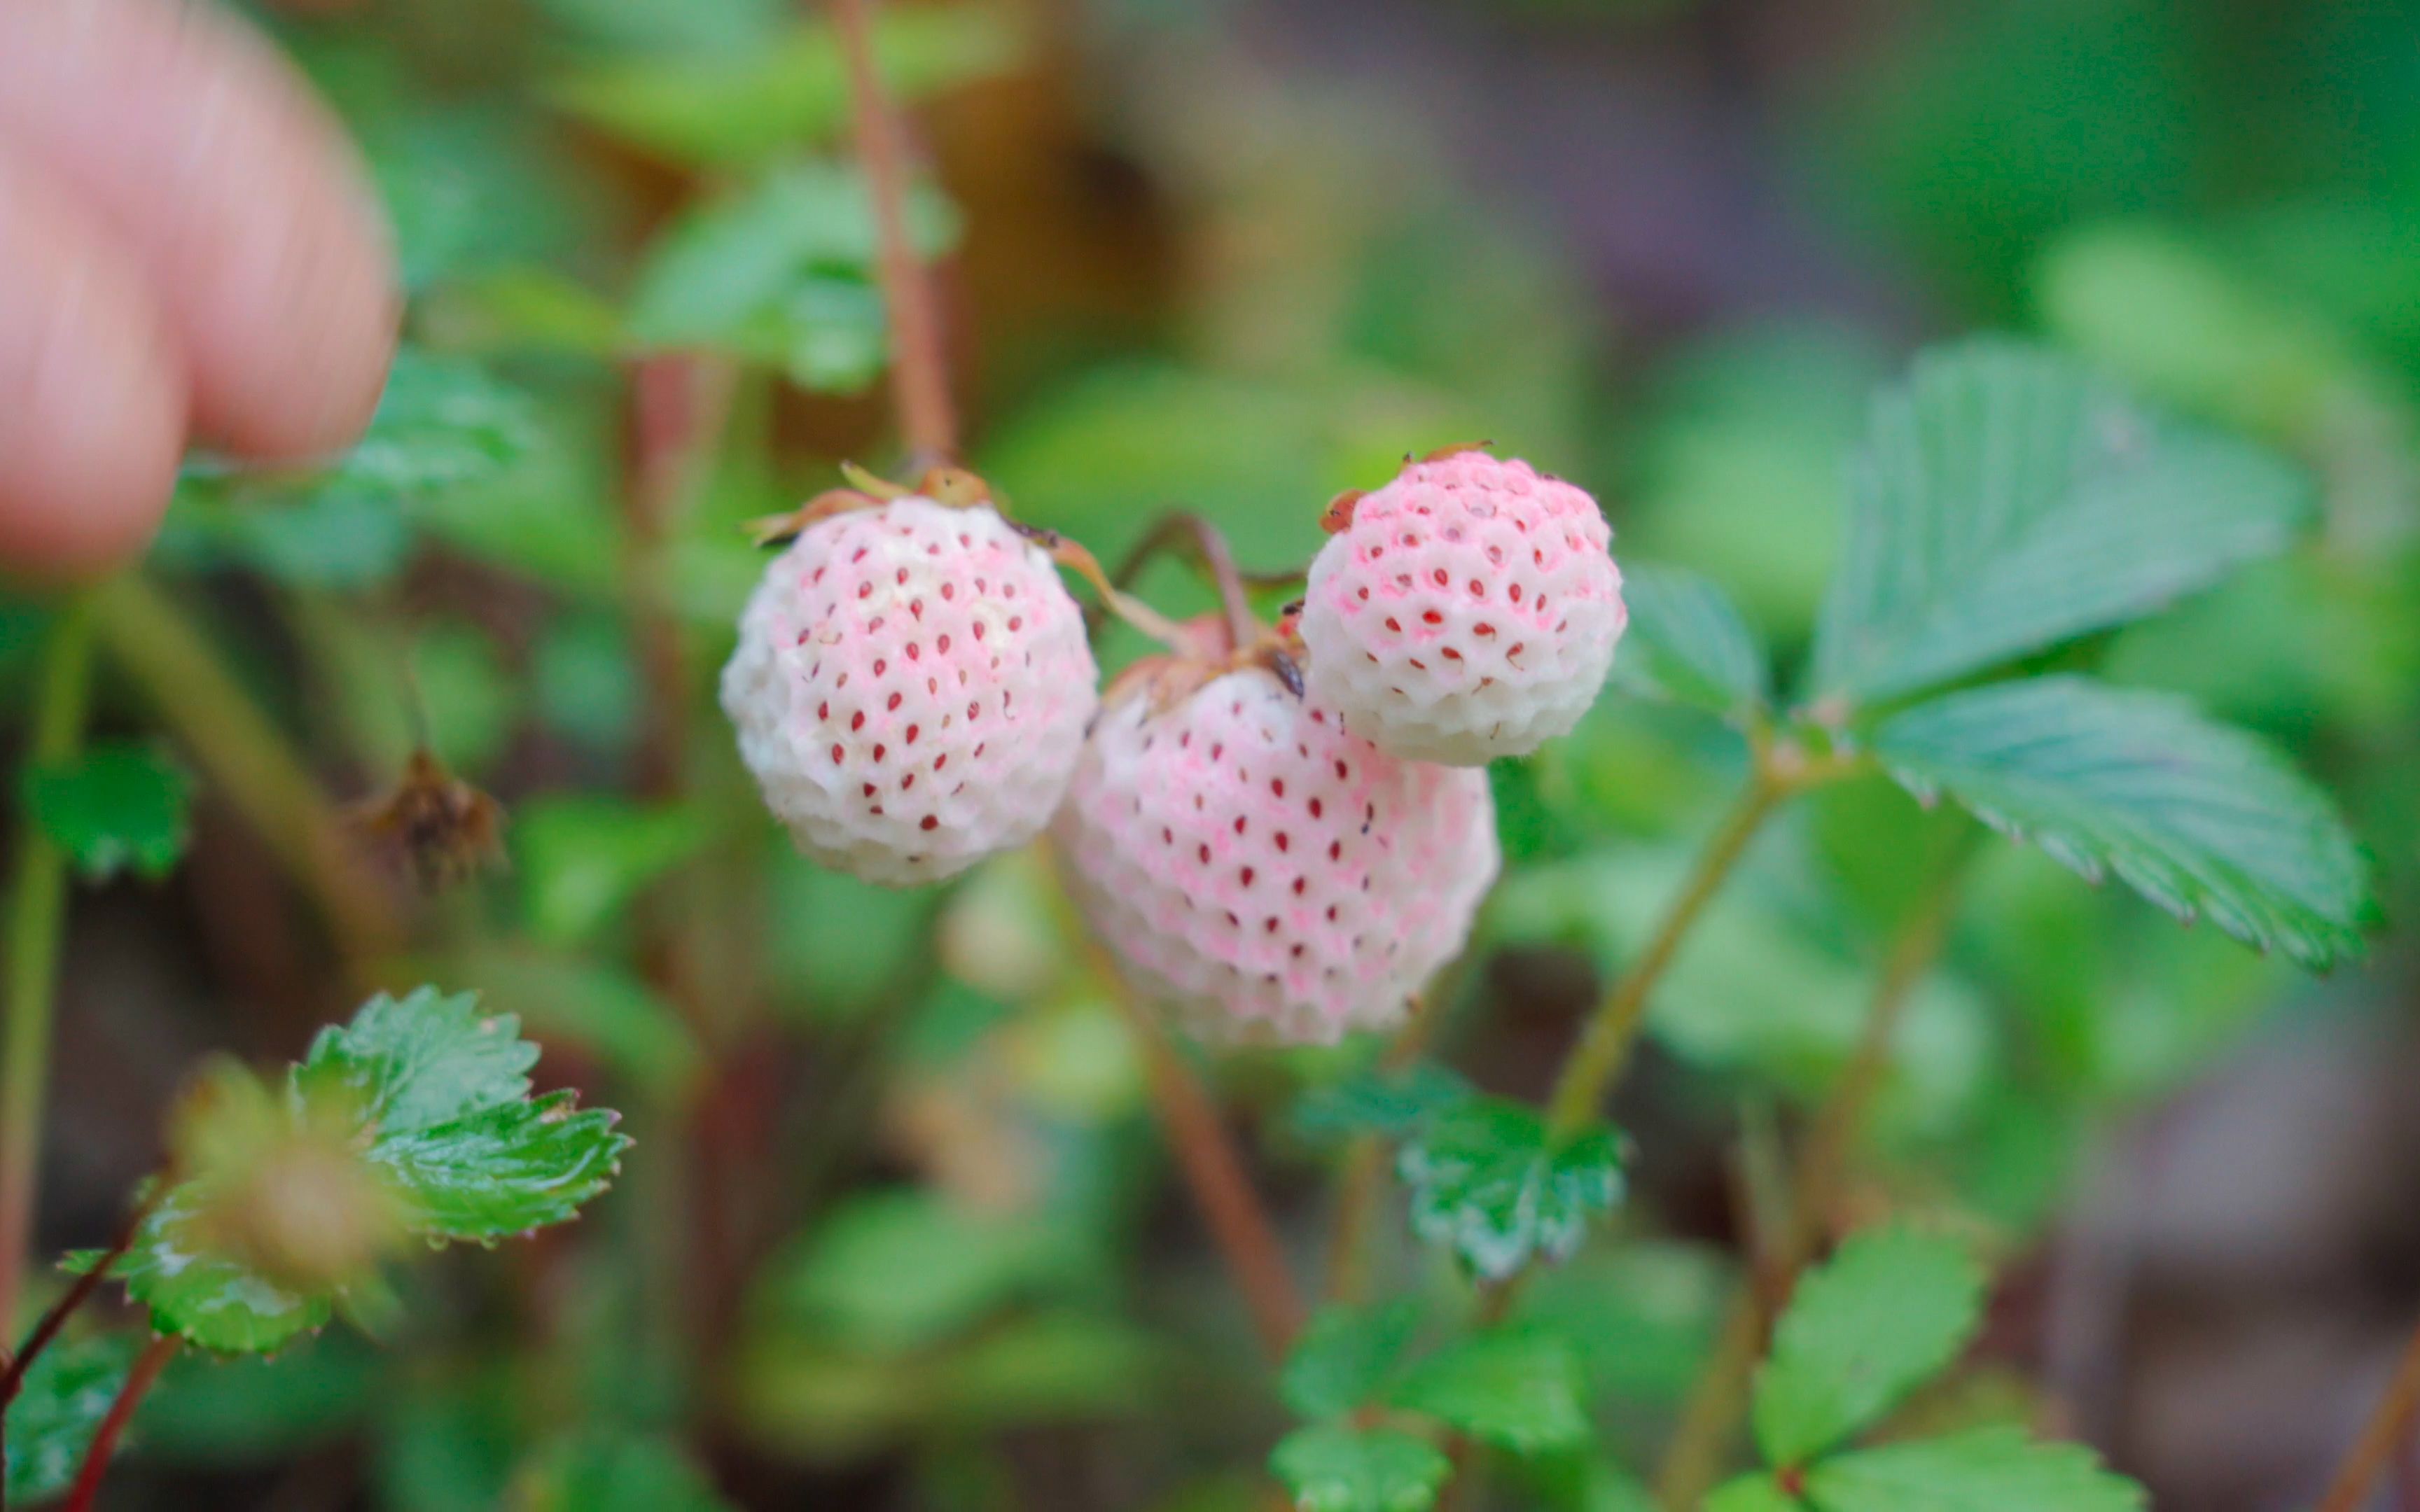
(898, 1232)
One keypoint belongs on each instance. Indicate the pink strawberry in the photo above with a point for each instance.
(1267, 874)
(910, 688)
(1467, 611)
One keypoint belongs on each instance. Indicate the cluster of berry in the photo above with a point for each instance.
(1280, 834)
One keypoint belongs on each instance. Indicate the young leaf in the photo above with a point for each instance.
(1688, 644)
(783, 274)
(2203, 820)
(66, 1392)
(1752, 1494)
(1342, 1470)
(2009, 498)
(118, 806)
(1985, 1470)
(1344, 1356)
(415, 1118)
(1519, 1388)
(1885, 1313)
(1485, 1182)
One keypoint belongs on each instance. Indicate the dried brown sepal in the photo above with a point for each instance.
(1075, 559)
(873, 485)
(1339, 514)
(442, 829)
(1457, 449)
(780, 529)
(956, 488)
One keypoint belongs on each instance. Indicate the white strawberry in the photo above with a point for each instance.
(1467, 611)
(910, 688)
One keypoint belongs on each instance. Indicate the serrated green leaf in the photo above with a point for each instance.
(743, 106)
(1519, 1388)
(1485, 1182)
(205, 1295)
(1380, 1100)
(783, 274)
(599, 1471)
(431, 1099)
(1752, 1494)
(1687, 643)
(421, 1061)
(1344, 1355)
(119, 806)
(1988, 1470)
(66, 1392)
(2009, 498)
(1341, 1470)
(1885, 1313)
(2203, 820)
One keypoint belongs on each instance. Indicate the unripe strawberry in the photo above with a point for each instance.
(1467, 611)
(910, 688)
(1263, 872)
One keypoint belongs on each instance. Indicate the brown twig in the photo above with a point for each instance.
(147, 1365)
(1221, 1189)
(2388, 1429)
(920, 372)
(1205, 545)
(80, 1292)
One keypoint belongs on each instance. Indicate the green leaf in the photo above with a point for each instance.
(1485, 1182)
(894, 1271)
(584, 859)
(782, 273)
(1987, 1470)
(744, 106)
(202, 1293)
(249, 1408)
(595, 1006)
(1517, 1388)
(431, 1099)
(1341, 1470)
(1688, 644)
(1379, 1101)
(600, 1471)
(118, 806)
(1752, 1494)
(1344, 1356)
(2203, 820)
(2009, 498)
(1885, 1313)
(66, 1392)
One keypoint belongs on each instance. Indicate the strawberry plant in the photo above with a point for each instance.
(916, 829)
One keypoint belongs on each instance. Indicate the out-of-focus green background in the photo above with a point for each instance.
(898, 1232)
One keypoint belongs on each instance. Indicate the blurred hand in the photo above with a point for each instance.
(188, 251)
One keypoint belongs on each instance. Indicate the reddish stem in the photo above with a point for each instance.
(147, 1365)
(2388, 1429)
(47, 1327)
(919, 370)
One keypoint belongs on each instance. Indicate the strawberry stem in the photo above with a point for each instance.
(920, 375)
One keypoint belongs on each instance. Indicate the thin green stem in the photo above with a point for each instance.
(36, 920)
(1694, 1456)
(1603, 1047)
(248, 762)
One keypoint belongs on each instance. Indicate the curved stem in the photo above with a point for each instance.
(248, 760)
(37, 919)
(147, 1365)
(1220, 1187)
(1693, 1458)
(1183, 528)
(1605, 1045)
(919, 374)
(2388, 1429)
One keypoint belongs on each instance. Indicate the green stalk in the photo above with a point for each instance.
(36, 920)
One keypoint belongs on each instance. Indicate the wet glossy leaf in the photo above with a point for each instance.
(1342, 1470)
(1486, 1184)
